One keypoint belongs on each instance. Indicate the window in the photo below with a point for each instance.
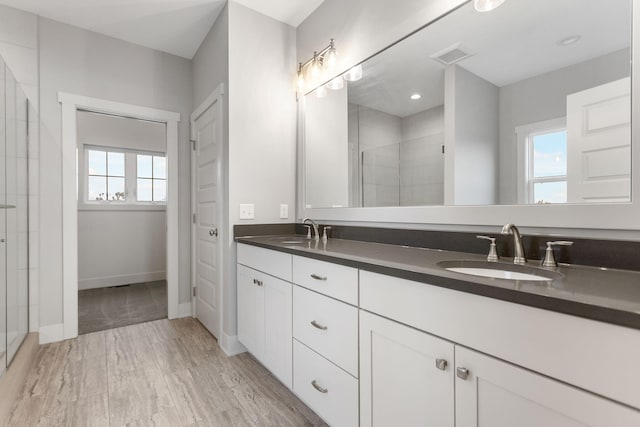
(152, 178)
(113, 176)
(105, 176)
(542, 165)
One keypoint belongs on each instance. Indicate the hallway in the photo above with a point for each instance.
(161, 373)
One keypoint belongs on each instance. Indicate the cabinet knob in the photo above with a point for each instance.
(441, 364)
(317, 386)
(257, 282)
(462, 373)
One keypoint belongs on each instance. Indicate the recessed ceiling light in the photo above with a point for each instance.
(416, 96)
(568, 40)
(486, 5)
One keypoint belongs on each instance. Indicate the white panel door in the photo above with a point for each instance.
(406, 376)
(498, 394)
(599, 143)
(206, 179)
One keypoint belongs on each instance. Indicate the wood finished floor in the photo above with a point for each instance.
(161, 373)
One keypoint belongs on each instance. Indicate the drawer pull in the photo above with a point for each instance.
(315, 276)
(318, 326)
(318, 387)
(257, 282)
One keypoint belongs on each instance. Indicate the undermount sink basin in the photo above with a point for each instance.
(499, 270)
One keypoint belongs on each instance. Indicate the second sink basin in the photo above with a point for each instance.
(499, 270)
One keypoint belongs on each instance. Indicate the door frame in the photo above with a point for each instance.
(215, 97)
(71, 103)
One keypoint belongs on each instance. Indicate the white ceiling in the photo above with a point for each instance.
(512, 43)
(174, 26)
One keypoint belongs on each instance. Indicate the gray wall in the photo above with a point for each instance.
(86, 63)
(544, 97)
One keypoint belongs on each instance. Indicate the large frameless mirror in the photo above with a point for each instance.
(527, 104)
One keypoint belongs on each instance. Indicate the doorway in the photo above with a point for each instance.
(122, 195)
(71, 104)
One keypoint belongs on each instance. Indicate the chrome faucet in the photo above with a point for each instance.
(518, 256)
(316, 234)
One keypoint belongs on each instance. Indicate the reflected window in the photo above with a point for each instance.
(547, 178)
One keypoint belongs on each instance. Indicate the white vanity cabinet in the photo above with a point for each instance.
(264, 311)
(407, 375)
(497, 394)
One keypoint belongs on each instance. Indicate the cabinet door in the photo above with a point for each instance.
(278, 325)
(400, 382)
(498, 394)
(251, 311)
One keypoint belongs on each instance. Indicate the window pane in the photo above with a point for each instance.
(550, 154)
(145, 193)
(97, 188)
(550, 192)
(159, 190)
(145, 169)
(116, 164)
(159, 167)
(116, 189)
(97, 162)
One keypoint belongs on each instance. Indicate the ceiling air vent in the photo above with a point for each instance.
(452, 54)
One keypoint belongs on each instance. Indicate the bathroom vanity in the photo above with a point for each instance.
(377, 334)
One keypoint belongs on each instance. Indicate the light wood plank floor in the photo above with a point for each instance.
(161, 373)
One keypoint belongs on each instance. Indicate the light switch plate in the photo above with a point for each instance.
(284, 211)
(247, 211)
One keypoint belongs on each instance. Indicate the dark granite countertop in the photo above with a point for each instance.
(607, 295)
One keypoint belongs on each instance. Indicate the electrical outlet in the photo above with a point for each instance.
(284, 211)
(246, 211)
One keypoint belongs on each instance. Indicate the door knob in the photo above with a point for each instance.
(213, 232)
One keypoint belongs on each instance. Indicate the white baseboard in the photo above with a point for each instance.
(230, 344)
(51, 333)
(119, 280)
(185, 310)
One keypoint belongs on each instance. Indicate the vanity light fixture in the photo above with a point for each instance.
(354, 74)
(312, 69)
(568, 40)
(321, 92)
(486, 5)
(416, 96)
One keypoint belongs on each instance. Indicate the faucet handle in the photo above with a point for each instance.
(308, 231)
(325, 237)
(549, 259)
(493, 252)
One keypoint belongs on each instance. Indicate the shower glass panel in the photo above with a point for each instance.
(14, 219)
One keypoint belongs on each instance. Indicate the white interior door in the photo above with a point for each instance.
(599, 143)
(206, 181)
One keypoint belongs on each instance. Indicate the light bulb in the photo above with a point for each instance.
(486, 5)
(336, 84)
(300, 82)
(321, 92)
(416, 96)
(354, 74)
(330, 59)
(314, 69)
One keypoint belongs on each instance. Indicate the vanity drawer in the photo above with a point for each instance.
(328, 390)
(336, 281)
(275, 263)
(335, 334)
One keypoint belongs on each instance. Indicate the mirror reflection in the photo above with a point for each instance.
(529, 103)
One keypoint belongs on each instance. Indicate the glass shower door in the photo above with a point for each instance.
(16, 215)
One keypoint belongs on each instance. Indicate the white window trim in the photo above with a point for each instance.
(525, 152)
(131, 174)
